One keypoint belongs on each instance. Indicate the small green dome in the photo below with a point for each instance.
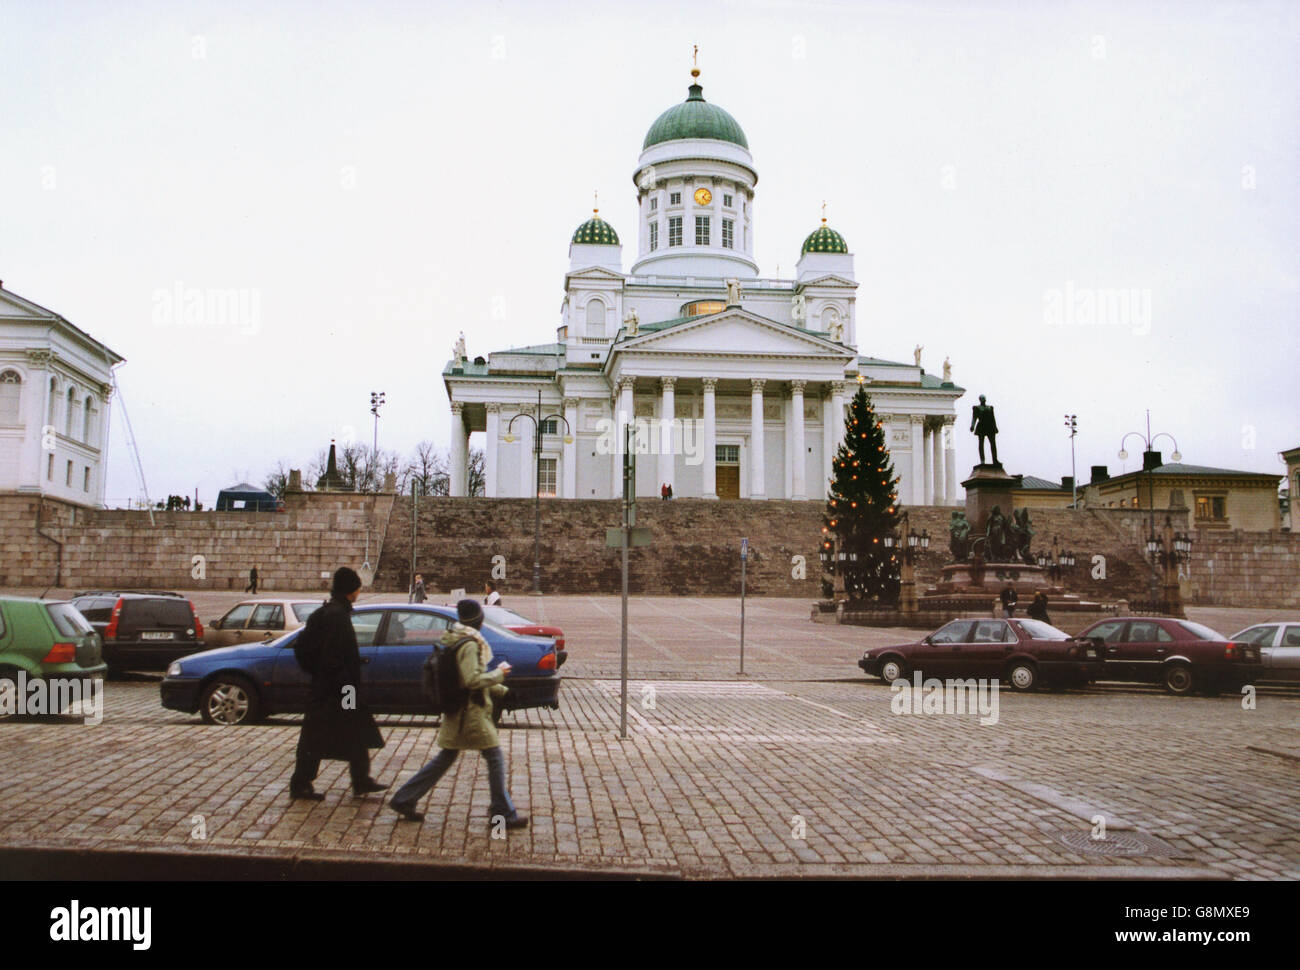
(595, 232)
(824, 239)
(695, 118)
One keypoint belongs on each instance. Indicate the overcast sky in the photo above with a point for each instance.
(374, 177)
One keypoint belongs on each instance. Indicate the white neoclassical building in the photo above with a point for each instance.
(56, 382)
(735, 384)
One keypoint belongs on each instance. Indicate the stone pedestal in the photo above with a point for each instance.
(988, 485)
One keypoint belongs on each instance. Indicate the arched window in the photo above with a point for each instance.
(595, 318)
(89, 436)
(54, 403)
(11, 389)
(71, 417)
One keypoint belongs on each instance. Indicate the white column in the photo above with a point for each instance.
(624, 414)
(757, 489)
(459, 451)
(936, 459)
(829, 444)
(570, 458)
(799, 458)
(490, 460)
(667, 414)
(927, 475)
(525, 429)
(837, 410)
(949, 463)
(710, 442)
(916, 480)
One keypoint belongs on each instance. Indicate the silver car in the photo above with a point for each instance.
(1279, 648)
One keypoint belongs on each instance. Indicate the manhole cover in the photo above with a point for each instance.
(1117, 844)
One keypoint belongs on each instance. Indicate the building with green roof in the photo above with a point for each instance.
(736, 382)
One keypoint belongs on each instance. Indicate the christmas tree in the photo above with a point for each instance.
(863, 506)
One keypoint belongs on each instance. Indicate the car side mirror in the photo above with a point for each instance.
(215, 624)
(928, 641)
(269, 635)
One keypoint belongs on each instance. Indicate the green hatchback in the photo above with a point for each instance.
(47, 640)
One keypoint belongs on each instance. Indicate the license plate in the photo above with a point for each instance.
(155, 636)
(1090, 654)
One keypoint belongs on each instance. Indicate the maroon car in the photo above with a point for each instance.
(1023, 652)
(1181, 654)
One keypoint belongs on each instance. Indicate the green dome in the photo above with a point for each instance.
(824, 239)
(695, 118)
(595, 232)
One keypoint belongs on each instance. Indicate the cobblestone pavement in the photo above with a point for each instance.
(787, 773)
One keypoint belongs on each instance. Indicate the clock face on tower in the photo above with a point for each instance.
(703, 196)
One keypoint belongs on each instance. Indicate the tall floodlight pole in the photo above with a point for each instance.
(1072, 426)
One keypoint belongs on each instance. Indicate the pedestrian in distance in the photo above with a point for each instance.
(417, 591)
(1038, 608)
(490, 595)
(663, 491)
(1008, 597)
(471, 727)
(336, 726)
(670, 491)
(252, 581)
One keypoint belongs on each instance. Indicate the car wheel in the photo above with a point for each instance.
(1022, 675)
(1179, 680)
(229, 699)
(893, 669)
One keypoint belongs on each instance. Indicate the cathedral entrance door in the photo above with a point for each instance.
(727, 471)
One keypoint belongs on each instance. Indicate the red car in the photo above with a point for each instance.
(515, 623)
(1181, 654)
(1023, 652)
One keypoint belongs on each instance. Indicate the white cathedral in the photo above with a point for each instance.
(735, 384)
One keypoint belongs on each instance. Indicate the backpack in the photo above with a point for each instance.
(306, 648)
(442, 681)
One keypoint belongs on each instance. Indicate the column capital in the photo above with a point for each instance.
(493, 407)
(667, 383)
(626, 383)
(917, 419)
(948, 419)
(839, 388)
(710, 383)
(457, 407)
(796, 387)
(757, 384)
(40, 357)
(570, 402)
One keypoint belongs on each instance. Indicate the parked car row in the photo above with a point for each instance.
(241, 684)
(1183, 655)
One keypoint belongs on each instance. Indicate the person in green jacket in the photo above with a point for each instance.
(471, 728)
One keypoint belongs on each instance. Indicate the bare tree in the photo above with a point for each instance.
(428, 467)
(277, 480)
(477, 484)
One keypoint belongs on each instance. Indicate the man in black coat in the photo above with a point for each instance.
(336, 725)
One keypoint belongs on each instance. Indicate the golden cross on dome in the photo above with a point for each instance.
(595, 202)
(823, 212)
(695, 61)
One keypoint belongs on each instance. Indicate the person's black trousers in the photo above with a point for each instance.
(308, 767)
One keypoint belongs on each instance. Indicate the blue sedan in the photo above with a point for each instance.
(241, 684)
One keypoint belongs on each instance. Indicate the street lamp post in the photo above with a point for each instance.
(539, 424)
(376, 402)
(1148, 465)
(909, 544)
(1169, 550)
(1056, 562)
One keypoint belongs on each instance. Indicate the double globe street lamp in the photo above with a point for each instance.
(1170, 551)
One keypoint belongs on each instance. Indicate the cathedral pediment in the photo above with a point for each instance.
(14, 306)
(830, 279)
(732, 332)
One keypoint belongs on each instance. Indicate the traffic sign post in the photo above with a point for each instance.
(629, 520)
(744, 560)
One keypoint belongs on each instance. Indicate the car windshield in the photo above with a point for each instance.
(304, 610)
(1038, 630)
(68, 621)
(1256, 634)
(1201, 631)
